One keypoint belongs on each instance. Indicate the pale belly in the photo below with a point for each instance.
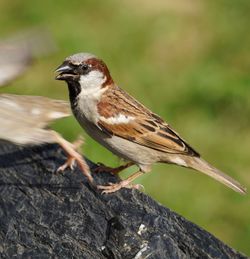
(142, 156)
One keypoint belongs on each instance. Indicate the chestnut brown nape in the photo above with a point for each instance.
(98, 64)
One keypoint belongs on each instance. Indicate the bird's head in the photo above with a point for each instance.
(84, 71)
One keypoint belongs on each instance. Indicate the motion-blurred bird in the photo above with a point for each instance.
(18, 52)
(24, 120)
(124, 126)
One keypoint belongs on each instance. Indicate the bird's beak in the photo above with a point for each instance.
(65, 72)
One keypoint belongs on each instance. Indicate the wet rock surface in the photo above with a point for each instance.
(44, 214)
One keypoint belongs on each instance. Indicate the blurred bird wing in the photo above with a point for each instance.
(24, 119)
(35, 111)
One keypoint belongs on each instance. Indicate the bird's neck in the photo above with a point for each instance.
(74, 90)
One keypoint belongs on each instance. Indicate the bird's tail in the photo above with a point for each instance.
(201, 165)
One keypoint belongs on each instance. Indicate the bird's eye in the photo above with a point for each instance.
(85, 66)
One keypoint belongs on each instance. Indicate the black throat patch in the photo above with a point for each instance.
(74, 90)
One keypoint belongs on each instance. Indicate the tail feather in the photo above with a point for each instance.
(201, 165)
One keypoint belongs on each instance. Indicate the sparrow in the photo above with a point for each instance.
(124, 126)
(24, 121)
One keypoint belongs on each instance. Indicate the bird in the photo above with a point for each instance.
(24, 121)
(18, 52)
(126, 127)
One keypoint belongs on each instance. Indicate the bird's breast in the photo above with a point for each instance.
(86, 108)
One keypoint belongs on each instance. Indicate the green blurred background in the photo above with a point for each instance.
(189, 61)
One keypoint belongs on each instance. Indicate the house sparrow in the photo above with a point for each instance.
(124, 126)
(24, 121)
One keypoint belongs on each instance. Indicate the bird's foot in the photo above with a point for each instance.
(70, 163)
(73, 156)
(127, 183)
(113, 187)
(71, 160)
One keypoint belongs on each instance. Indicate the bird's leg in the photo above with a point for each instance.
(113, 187)
(103, 168)
(73, 156)
(71, 160)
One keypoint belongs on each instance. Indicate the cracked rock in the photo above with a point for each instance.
(44, 214)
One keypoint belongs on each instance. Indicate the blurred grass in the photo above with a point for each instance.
(188, 61)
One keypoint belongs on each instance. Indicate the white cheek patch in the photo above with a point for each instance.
(119, 119)
(92, 80)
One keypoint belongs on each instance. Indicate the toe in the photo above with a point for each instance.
(61, 168)
(105, 187)
(109, 188)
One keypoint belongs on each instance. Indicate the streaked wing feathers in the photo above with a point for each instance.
(146, 128)
(162, 138)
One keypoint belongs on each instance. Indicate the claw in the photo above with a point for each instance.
(137, 187)
(113, 187)
(70, 163)
(73, 156)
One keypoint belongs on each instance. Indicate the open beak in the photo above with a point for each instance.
(65, 72)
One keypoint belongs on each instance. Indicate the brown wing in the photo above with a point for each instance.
(147, 129)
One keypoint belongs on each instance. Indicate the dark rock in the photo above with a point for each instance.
(44, 214)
